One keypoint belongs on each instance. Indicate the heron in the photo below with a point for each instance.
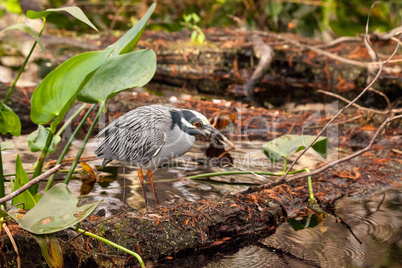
(149, 136)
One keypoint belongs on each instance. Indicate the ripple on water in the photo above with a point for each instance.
(374, 240)
(252, 256)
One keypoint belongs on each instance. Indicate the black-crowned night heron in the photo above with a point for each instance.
(151, 135)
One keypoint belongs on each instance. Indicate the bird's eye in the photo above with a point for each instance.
(197, 124)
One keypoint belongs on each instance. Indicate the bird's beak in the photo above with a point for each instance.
(211, 131)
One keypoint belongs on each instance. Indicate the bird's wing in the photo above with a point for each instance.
(135, 136)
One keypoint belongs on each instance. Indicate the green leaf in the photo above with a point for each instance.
(21, 179)
(130, 39)
(201, 38)
(129, 70)
(76, 12)
(28, 29)
(55, 95)
(51, 249)
(37, 140)
(9, 121)
(55, 211)
(13, 6)
(196, 18)
(7, 145)
(3, 213)
(194, 36)
(287, 145)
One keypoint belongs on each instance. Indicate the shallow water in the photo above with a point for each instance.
(373, 240)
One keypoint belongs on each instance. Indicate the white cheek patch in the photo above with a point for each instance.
(186, 123)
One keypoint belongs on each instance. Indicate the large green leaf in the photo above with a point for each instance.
(9, 121)
(129, 70)
(55, 211)
(287, 145)
(76, 12)
(130, 39)
(37, 140)
(21, 179)
(55, 95)
(27, 29)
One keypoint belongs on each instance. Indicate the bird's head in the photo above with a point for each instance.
(194, 123)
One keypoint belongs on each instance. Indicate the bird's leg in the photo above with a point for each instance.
(141, 177)
(149, 173)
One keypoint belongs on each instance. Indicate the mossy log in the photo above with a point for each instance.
(174, 231)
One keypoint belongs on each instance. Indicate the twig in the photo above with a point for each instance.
(348, 105)
(342, 39)
(396, 40)
(384, 36)
(265, 54)
(358, 106)
(382, 95)
(389, 35)
(330, 165)
(4, 225)
(283, 179)
(119, 10)
(367, 65)
(30, 183)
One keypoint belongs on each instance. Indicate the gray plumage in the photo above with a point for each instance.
(148, 136)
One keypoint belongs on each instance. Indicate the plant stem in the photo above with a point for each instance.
(23, 65)
(68, 121)
(240, 172)
(68, 144)
(112, 244)
(38, 169)
(285, 165)
(308, 220)
(310, 188)
(84, 143)
(2, 191)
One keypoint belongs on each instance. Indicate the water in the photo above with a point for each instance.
(373, 240)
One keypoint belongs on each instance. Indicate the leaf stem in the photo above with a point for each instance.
(68, 144)
(311, 198)
(23, 65)
(239, 173)
(84, 143)
(68, 121)
(112, 244)
(285, 165)
(2, 189)
(38, 169)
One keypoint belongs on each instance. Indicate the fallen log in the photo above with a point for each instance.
(226, 62)
(172, 231)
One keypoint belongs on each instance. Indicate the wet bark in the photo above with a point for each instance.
(172, 231)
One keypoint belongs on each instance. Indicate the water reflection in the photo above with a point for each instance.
(374, 239)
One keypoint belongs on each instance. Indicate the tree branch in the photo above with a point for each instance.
(383, 63)
(330, 165)
(30, 183)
